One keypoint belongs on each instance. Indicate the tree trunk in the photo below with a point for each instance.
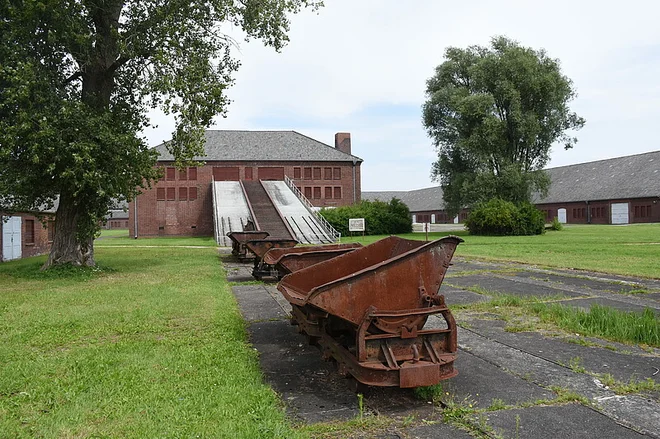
(66, 247)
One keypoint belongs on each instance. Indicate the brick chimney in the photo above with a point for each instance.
(343, 142)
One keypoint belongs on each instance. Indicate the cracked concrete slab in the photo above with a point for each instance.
(456, 296)
(637, 365)
(508, 286)
(570, 420)
(255, 303)
(579, 282)
(311, 388)
(631, 410)
(480, 383)
(492, 364)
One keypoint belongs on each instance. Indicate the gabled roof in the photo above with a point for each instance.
(419, 200)
(223, 145)
(633, 176)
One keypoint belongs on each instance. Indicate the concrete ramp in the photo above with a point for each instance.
(230, 210)
(301, 221)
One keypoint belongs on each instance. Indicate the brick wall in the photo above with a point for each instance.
(641, 210)
(169, 209)
(35, 236)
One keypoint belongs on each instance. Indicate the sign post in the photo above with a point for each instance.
(356, 225)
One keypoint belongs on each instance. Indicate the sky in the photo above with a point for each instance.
(361, 66)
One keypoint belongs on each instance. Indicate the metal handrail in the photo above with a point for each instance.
(332, 233)
(215, 215)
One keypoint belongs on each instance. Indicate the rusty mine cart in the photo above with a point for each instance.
(367, 310)
(278, 262)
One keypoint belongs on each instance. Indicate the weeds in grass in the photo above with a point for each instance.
(635, 291)
(360, 398)
(575, 364)
(632, 386)
(496, 404)
(432, 393)
(565, 395)
(352, 428)
(581, 342)
(604, 322)
(599, 321)
(458, 413)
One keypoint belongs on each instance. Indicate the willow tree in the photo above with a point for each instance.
(77, 79)
(493, 114)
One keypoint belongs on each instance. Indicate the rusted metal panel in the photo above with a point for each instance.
(367, 309)
(260, 247)
(287, 260)
(239, 240)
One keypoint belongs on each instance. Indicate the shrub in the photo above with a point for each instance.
(500, 217)
(556, 225)
(531, 221)
(380, 218)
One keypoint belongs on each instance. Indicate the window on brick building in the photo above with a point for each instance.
(296, 173)
(51, 230)
(29, 231)
(327, 173)
(192, 193)
(328, 192)
(337, 192)
(643, 211)
(336, 173)
(160, 194)
(192, 173)
(183, 174)
(171, 193)
(308, 192)
(162, 175)
(171, 174)
(317, 192)
(183, 193)
(317, 173)
(308, 173)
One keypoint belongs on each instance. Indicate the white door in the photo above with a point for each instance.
(414, 218)
(11, 238)
(433, 218)
(561, 215)
(619, 213)
(456, 219)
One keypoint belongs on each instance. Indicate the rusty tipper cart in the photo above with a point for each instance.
(278, 262)
(260, 246)
(238, 240)
(367, 310)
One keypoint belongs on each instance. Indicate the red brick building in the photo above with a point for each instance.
(181, 202)
(622, 190)
(23, 235)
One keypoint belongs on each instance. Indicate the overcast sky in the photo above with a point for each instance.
(360, 66)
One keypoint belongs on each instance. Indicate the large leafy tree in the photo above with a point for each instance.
(493, 114)
(77, 78)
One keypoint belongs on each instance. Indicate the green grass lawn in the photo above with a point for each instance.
(627, 250)
(153, 346)
(114, 233)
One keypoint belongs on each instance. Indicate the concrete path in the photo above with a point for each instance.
(531, 384)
